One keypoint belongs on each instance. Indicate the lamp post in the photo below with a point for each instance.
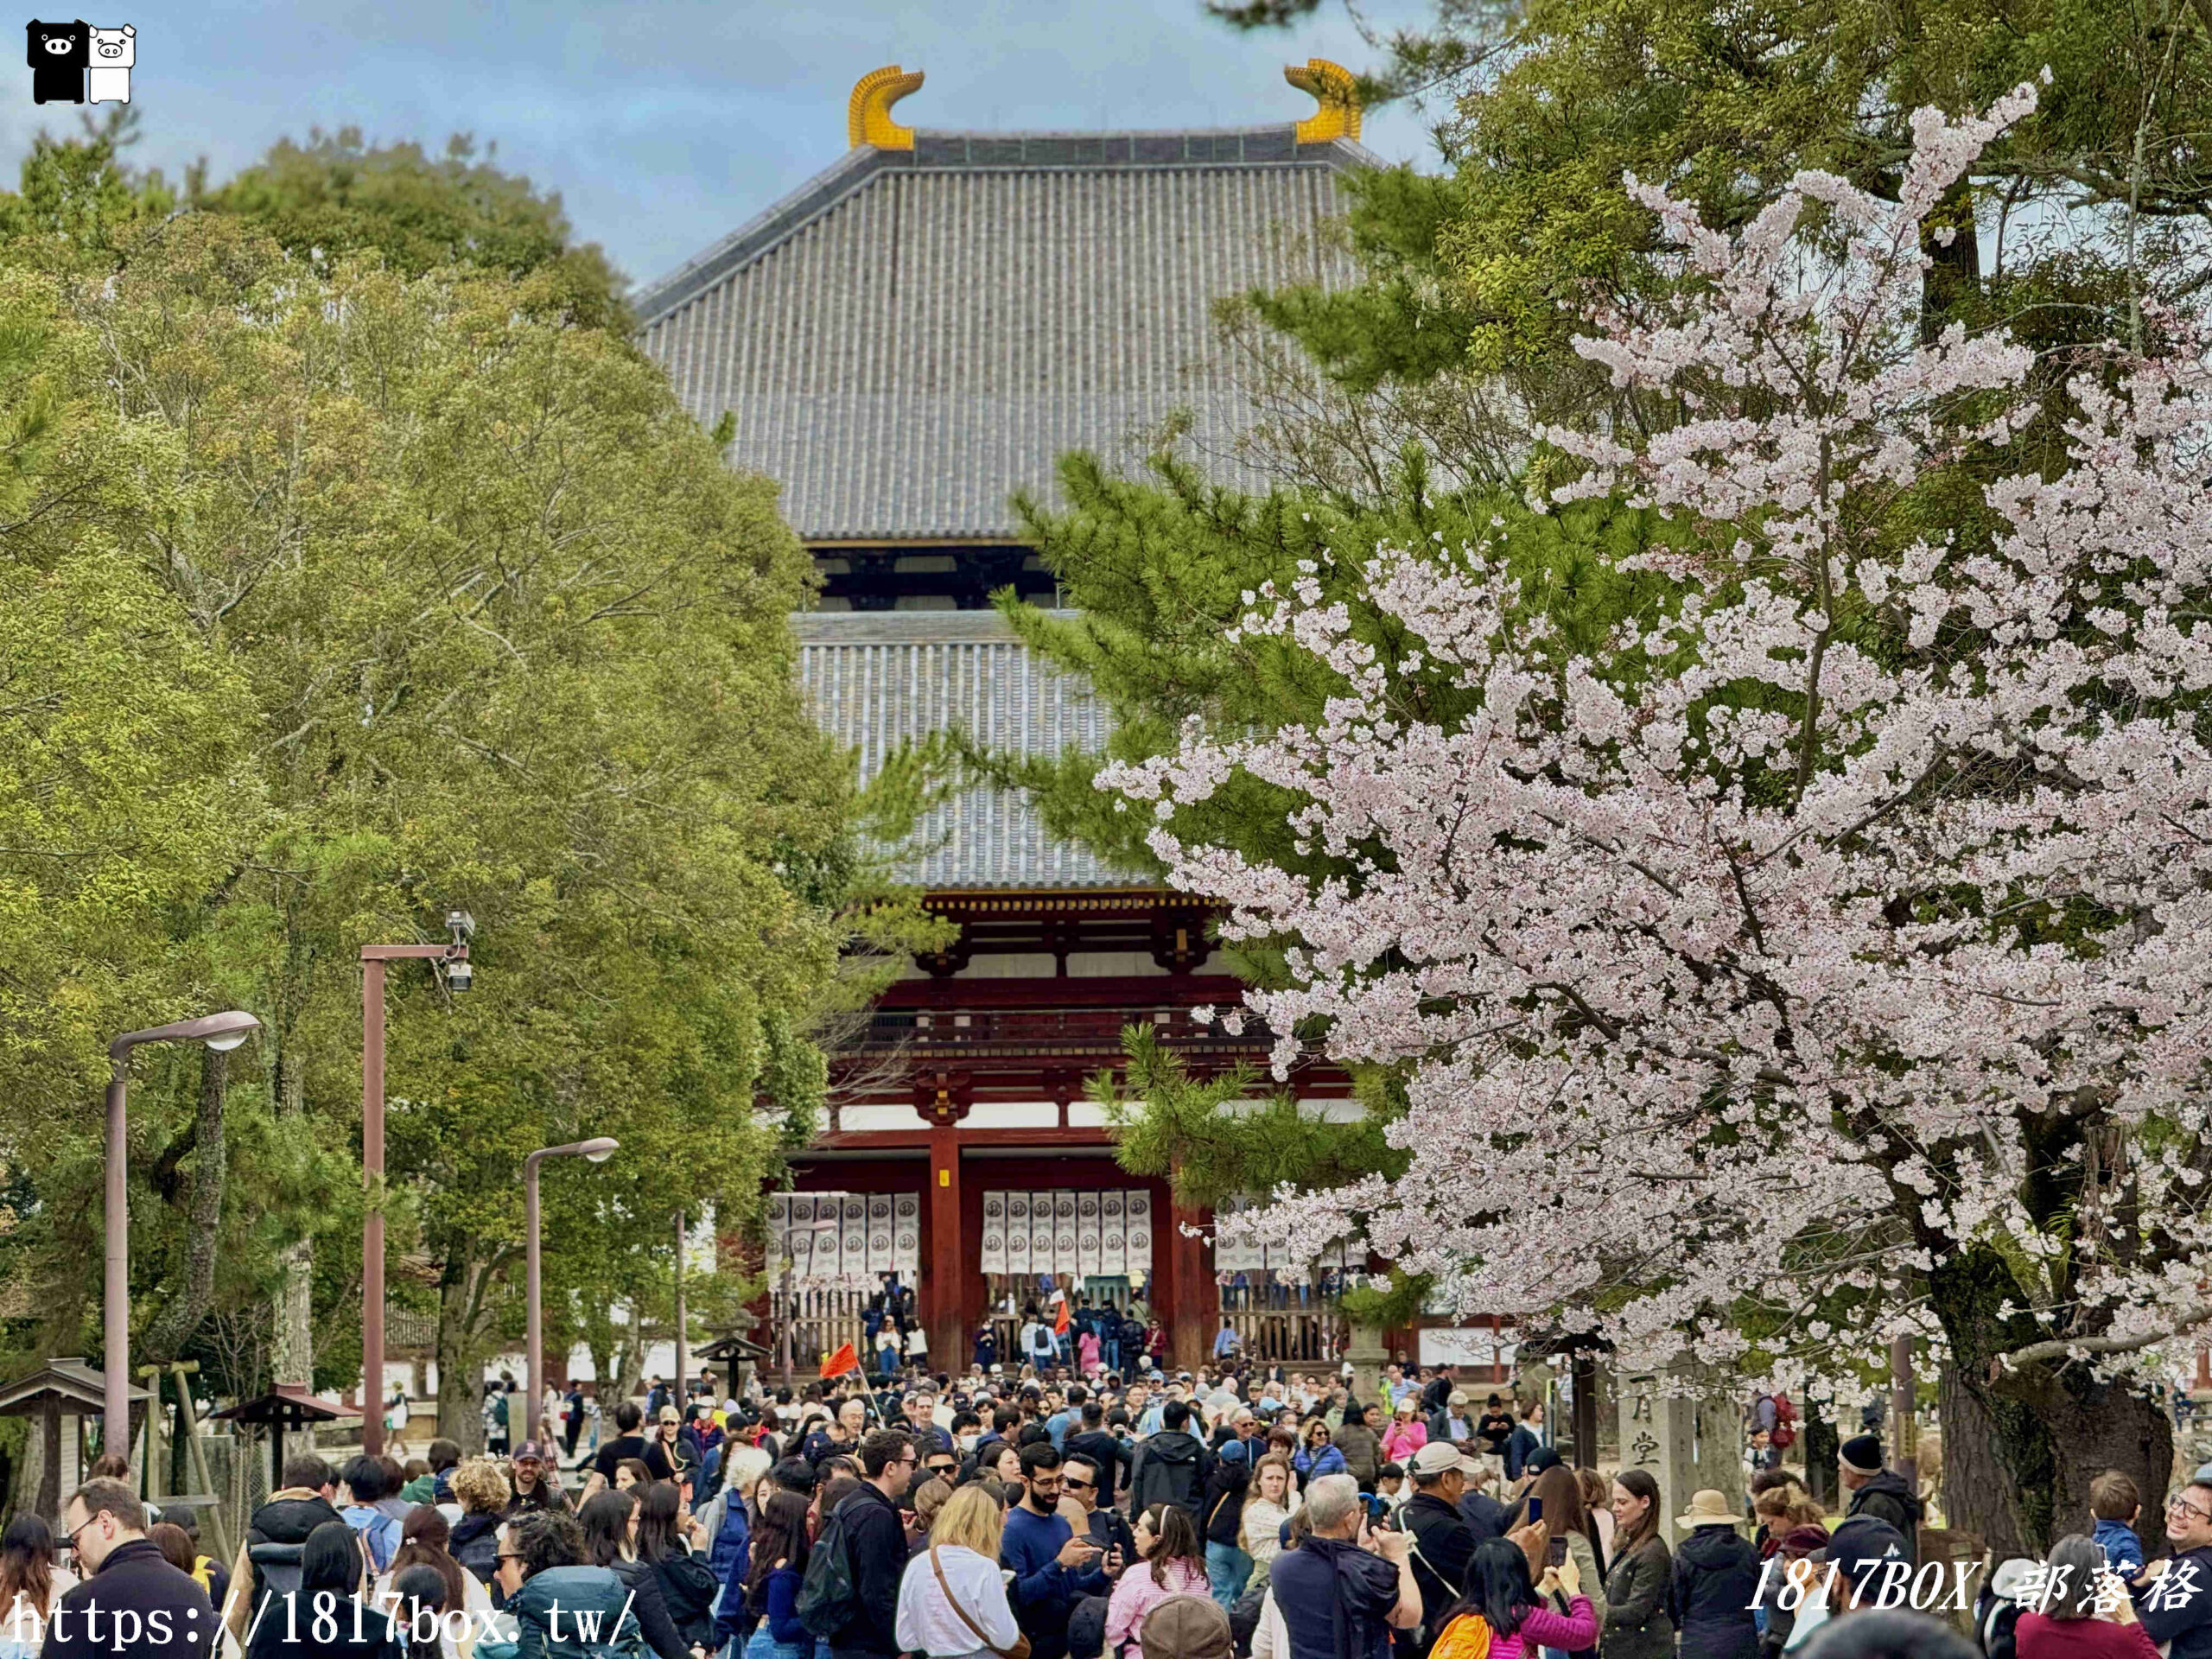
(683, 1334)
(598, 1150)
(222, 1032)
(454, 955)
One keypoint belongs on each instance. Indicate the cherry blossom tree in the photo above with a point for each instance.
(1827, 958)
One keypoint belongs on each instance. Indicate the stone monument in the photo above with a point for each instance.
(1688, 1442)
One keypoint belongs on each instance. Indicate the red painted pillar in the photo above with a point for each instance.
(947, 1268)
(1194, 1305)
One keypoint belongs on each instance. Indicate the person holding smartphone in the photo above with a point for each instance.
(1053, 1568)
(1443, 1541)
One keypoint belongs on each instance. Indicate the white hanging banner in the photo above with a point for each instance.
(994, 1232)
(1064, 1259)
(802, 1234)
(1140, 1206)
(906, 1235)
(1087, 1233)
(1041, 1233)
(852, 1236)
(879, 1232)
(1017, 1232)
(778, 1254)
(1113, 1233)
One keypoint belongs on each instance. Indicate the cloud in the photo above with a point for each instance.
(665, 125)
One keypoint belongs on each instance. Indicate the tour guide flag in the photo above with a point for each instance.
(1060, 1319)
(841, 1362)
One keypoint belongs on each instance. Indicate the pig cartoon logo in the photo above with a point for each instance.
(59, 55)
(114, 50)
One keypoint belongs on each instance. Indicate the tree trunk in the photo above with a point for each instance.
(164, 1339)
(2021, 1447)
(462, 1294)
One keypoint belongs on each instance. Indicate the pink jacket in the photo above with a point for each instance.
(1401, 1440)
(1543, 1628)
(1137, 1595)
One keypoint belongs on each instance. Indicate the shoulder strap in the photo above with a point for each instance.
(953, 1601)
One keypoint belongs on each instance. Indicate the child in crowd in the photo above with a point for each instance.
(2117, 1506)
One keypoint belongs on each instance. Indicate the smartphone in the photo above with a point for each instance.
(1555, 1552)
(1536, 1508)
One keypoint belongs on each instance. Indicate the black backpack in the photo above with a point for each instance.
(276, 1573)
(830, 1595)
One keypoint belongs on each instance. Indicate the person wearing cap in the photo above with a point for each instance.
(1849, 1578)
(1186, 1627)
(673, 1452)
(1443, 1541)
(1716, 1582)
(535, 1487)
(1877, 1493)
(1451, 1423)
(1406, 1435)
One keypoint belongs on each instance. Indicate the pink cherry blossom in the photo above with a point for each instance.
(1800, 941)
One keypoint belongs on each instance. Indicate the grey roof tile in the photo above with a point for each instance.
(914, 336)
(876, 679)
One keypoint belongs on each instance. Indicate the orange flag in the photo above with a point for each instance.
(841, 1362)
(1060, 1320)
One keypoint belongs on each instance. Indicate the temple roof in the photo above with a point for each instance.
(878, 678)
(927, 325)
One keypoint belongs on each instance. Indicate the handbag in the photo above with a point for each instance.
(1020, 1647)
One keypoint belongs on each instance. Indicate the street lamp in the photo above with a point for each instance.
(598, 1150)
(222, 1032)
(454, 955)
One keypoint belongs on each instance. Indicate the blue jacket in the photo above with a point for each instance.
(593, 1591)
(733, 1540)
(1330, 1462)
(2123, 1549)
(1519, 1449)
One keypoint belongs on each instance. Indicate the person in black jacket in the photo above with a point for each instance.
(269, 1553)
(164, 1615)
(1715, 1584)
(1097, 1446)
(608, 1524)
(329, 1616)
(1877, 1493)
(1171, 1466)
(1228, 1567)
(867, 1527)
(1443, 1541)
(687, 1584)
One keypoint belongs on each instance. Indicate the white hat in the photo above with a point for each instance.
(1708, 1508)
(1438, 1457)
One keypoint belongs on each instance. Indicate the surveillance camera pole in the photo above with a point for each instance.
(373, 958)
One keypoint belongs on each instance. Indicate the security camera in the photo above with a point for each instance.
(459, 975)
(461, 925)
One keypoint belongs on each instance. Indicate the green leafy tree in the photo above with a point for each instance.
(339, 195)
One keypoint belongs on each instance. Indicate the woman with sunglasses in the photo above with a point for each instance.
(1318, 1456)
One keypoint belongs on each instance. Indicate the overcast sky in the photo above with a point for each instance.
(663, 125)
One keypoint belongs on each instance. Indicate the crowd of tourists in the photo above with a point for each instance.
(1028, 1512)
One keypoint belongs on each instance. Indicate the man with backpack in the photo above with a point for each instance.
(850, 1595)
(269, 1558)
(361, 1483)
